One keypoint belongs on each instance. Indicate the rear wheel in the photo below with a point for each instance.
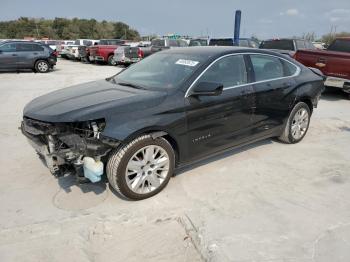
(297, 124)
(111, 61)
(42, 66)
(142, 168)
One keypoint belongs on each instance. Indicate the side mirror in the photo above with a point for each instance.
(207, 89)
(0, 51)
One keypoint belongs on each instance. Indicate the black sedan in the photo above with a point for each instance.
(171, 109)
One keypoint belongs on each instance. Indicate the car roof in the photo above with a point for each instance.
(20, 41)
(289, 39)
(213, 51)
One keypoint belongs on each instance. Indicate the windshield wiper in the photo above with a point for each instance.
(130, 85)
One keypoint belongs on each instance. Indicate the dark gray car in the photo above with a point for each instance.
(16, 55)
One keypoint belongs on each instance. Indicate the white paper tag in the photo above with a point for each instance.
(186, 62)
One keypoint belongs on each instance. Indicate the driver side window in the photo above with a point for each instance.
(229, 71)
(10, 47)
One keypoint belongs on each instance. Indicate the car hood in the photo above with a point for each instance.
(94, 100)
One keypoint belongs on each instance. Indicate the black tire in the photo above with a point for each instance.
(111, 61)
(287, 136)
(42, 66)
(118, 160)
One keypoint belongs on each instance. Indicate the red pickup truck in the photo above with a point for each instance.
(333, 62)
(104, 51)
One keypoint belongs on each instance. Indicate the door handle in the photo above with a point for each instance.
(14, 55)
(287, 84)
(35, 53)
(322, 60)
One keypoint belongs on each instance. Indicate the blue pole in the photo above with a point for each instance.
(237, 27)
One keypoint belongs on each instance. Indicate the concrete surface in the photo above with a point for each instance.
(264, 202)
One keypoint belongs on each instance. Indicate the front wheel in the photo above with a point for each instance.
(297, 124)
(42, 66)
(142, 168)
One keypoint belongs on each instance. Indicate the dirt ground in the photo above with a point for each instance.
(264, 202)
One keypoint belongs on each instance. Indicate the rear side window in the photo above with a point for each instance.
(87, 42)
(340, 45)
(229, 71)
(10, 47)
(270, 67)
(27, 47)
(221, 42)
(278, 44)
(266, 67)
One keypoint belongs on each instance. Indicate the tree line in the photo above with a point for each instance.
(63, 28)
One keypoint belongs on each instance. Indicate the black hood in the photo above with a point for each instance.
(90, 101)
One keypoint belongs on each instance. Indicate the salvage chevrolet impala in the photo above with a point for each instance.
(171, 109)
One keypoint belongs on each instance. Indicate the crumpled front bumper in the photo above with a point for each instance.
(63, 152)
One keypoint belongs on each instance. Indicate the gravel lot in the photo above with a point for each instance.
(264, 202)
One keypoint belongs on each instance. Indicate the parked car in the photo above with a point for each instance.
(73, 50)
(198, 42)
(84, 50)
(17, 55)
(160, 44)
(334, 62)
(51, 43)
(104, 51)
(287, 46)
(170, 109)
(243, 42)
(60, 48)
(128, 54)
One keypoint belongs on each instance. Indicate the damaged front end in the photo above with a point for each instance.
(67, 148)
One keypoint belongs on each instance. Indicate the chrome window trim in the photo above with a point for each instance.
(297, 72)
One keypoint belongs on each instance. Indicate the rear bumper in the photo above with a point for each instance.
(97, 58)
(126, 60)
(337, 82)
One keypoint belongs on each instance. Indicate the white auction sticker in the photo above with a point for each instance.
(186, 62)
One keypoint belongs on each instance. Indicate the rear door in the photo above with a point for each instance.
(218, 122)
(28, 53)
(273, 88)
(8, 56)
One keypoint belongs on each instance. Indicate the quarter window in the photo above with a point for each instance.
(229, 71)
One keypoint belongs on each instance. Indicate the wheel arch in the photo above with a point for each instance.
(306, 100)
(156, 132)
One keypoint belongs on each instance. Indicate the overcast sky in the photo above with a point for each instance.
(263, 18)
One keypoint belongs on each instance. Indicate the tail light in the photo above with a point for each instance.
(140, 53)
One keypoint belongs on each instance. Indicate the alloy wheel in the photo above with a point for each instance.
(300, 123)
(43, 67)
(147, 169)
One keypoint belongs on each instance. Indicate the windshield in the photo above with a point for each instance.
(160, 71)
(278, 44)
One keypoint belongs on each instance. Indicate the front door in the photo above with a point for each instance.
(218, 122)
(8, 56)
